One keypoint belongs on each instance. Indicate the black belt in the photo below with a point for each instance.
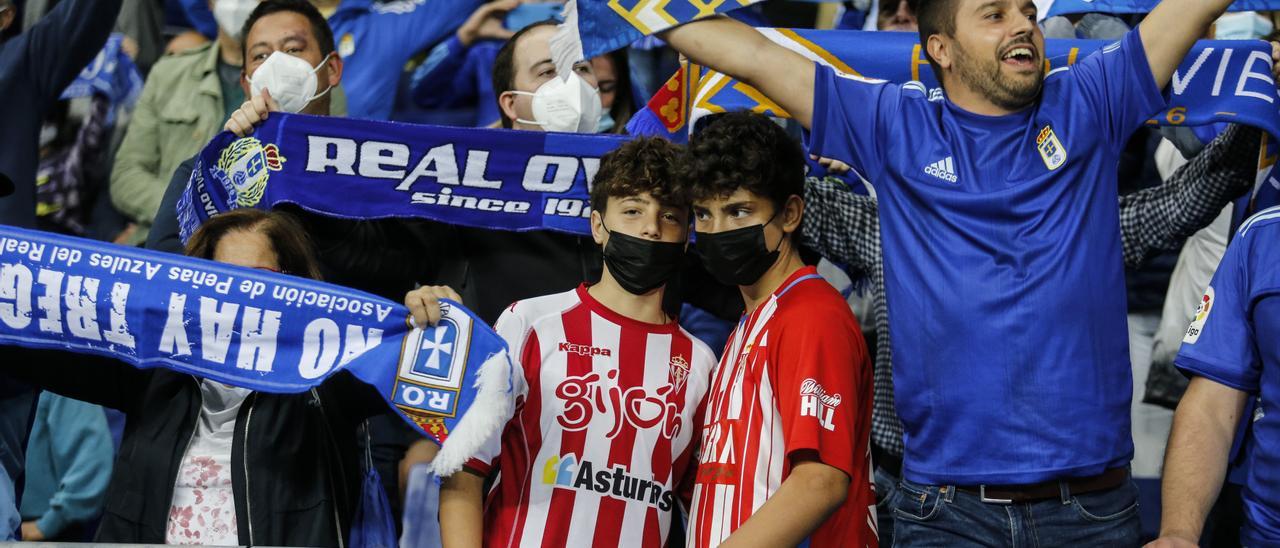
(1052, 489)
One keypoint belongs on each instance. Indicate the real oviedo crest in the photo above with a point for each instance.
(1050, 148)
(244, 168)
(433, 364)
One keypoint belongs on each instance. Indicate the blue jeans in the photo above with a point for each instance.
(942, 516)
(886, 489)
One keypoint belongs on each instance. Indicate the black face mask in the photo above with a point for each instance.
(641, 265)
(739, 256)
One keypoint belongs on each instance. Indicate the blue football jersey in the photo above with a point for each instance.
(1002, 263)
(376, 40)
(1234, 340)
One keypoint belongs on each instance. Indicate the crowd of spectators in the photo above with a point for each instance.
(110, 164)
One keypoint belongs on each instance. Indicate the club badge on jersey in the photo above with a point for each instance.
(1050, 148)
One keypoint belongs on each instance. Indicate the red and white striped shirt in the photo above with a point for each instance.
(795, 376)
(600, 441)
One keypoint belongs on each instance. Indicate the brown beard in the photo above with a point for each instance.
(987, 78)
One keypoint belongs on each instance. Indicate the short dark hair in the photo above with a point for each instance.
(744, 150)
(934, 17)
(290, 242)
(504, 66)
(624, 100)
(319, 25)
(645, 164)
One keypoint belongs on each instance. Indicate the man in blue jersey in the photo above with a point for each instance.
(1002, 258)
(1231, 353)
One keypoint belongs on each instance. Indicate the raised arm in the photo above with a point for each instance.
(64, 42)
(1172, 28)
(1162, 217)
(420, 25)
(1196, 461)
(735, 49)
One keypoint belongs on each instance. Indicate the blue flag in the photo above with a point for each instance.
(283, 334)
(1063, 7)
(366, 169)
(596, 27)
(111, 74)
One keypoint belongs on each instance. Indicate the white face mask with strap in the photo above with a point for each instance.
(568, 105)
(291, 81)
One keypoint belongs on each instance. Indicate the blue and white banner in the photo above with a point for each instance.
(254, 329)
(1220, 81)
(1050, 8)
(365, 169)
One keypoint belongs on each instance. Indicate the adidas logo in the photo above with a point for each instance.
(943, 169)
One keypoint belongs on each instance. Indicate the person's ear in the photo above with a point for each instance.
(792, 214)
(598, 232)
(334, 69)
(6, 18)
(507, 102)
(939, 48)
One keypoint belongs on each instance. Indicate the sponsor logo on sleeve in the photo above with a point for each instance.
(1202, 315)
(817, 403)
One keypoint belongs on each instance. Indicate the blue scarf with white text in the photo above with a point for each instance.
(1064, 7)
(254, 329)
(364, 169)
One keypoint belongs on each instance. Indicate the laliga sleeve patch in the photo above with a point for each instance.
(1202, 314)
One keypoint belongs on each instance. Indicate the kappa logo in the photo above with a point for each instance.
(943, 169)
(584, 349)
(244, 168)
(1202, 315)
(816, 402)
(1051, 150)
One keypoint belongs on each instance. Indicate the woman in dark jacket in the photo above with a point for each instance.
(287, 466)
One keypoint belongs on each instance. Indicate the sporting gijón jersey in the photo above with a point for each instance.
(600, 440)
(795, 377)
